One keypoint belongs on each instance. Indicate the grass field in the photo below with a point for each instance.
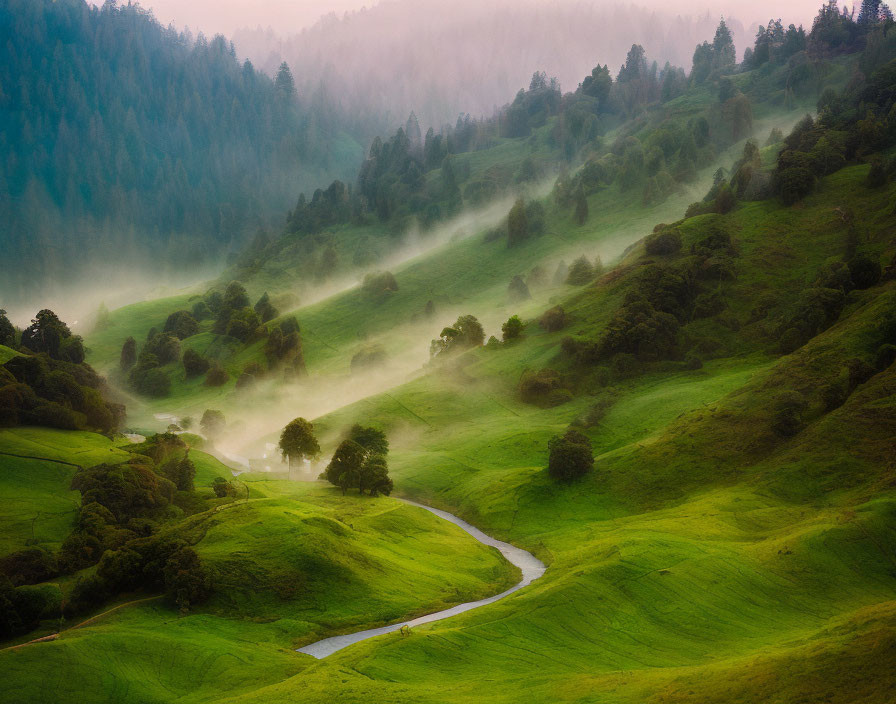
(296, 562)
(709, 558)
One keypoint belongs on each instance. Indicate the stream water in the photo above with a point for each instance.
(531, 567)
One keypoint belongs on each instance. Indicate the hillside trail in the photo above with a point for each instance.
(54, 636)
(530, 566)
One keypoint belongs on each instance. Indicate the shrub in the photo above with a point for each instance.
(368, 356)
(517, 224)
(467, 332)
(570, 456)
(181, 324)
(877, 176)
(379, 285)
(540, 388)
(88, 593)
(835, 394)
(265, 309)
(29, 566)
(195, 364)
(663, 243)
(151, 382)
(128, 354)
(186, 581)
(164, 346)
(512, 329)
(54, 415)
(794, 184)
(553, 319)
(692, 362)
(580, 273)
(222, 487)
(201, 311)
(216, 375)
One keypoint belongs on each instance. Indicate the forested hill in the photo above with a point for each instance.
(120, 137)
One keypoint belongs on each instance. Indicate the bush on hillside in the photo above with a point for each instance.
(29, 566)
(864, 272)
(570, 456)
(265, 309)
(545, 388)
(466, 332)
(216, 376)
(195, 364)
(580, 273)
(181, 324)
(794, 184)
(553, 319)
(512, 329)
(663, 243)
(380, 285)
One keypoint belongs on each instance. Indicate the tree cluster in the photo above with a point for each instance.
(131, 137)
(42, 386)
(466, 333)
(359, 462)
(121, 510)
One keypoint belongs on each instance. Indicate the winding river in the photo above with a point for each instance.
(531, 567)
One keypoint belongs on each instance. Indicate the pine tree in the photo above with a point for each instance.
(724, 53)
(284, 83)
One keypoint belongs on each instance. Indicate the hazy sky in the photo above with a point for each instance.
(286, 16)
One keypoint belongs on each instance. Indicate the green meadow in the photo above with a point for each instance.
(734, 543)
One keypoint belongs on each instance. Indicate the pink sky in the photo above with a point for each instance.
(288, 16)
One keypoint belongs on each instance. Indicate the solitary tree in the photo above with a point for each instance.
(570, 456)
(297, 442)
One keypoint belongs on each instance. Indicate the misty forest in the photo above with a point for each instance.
(448, 353)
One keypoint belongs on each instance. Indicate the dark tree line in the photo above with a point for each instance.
(122, 133)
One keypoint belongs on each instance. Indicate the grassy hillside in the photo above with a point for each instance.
(295, 562)
(36, 468)
(733, 371)
(707, 558)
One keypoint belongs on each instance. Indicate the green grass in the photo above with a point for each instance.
(36, 469)
(36, 491)
(706, 559)
(6, 354)
(295, 564)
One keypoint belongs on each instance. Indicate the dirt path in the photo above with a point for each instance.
(54, 636)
